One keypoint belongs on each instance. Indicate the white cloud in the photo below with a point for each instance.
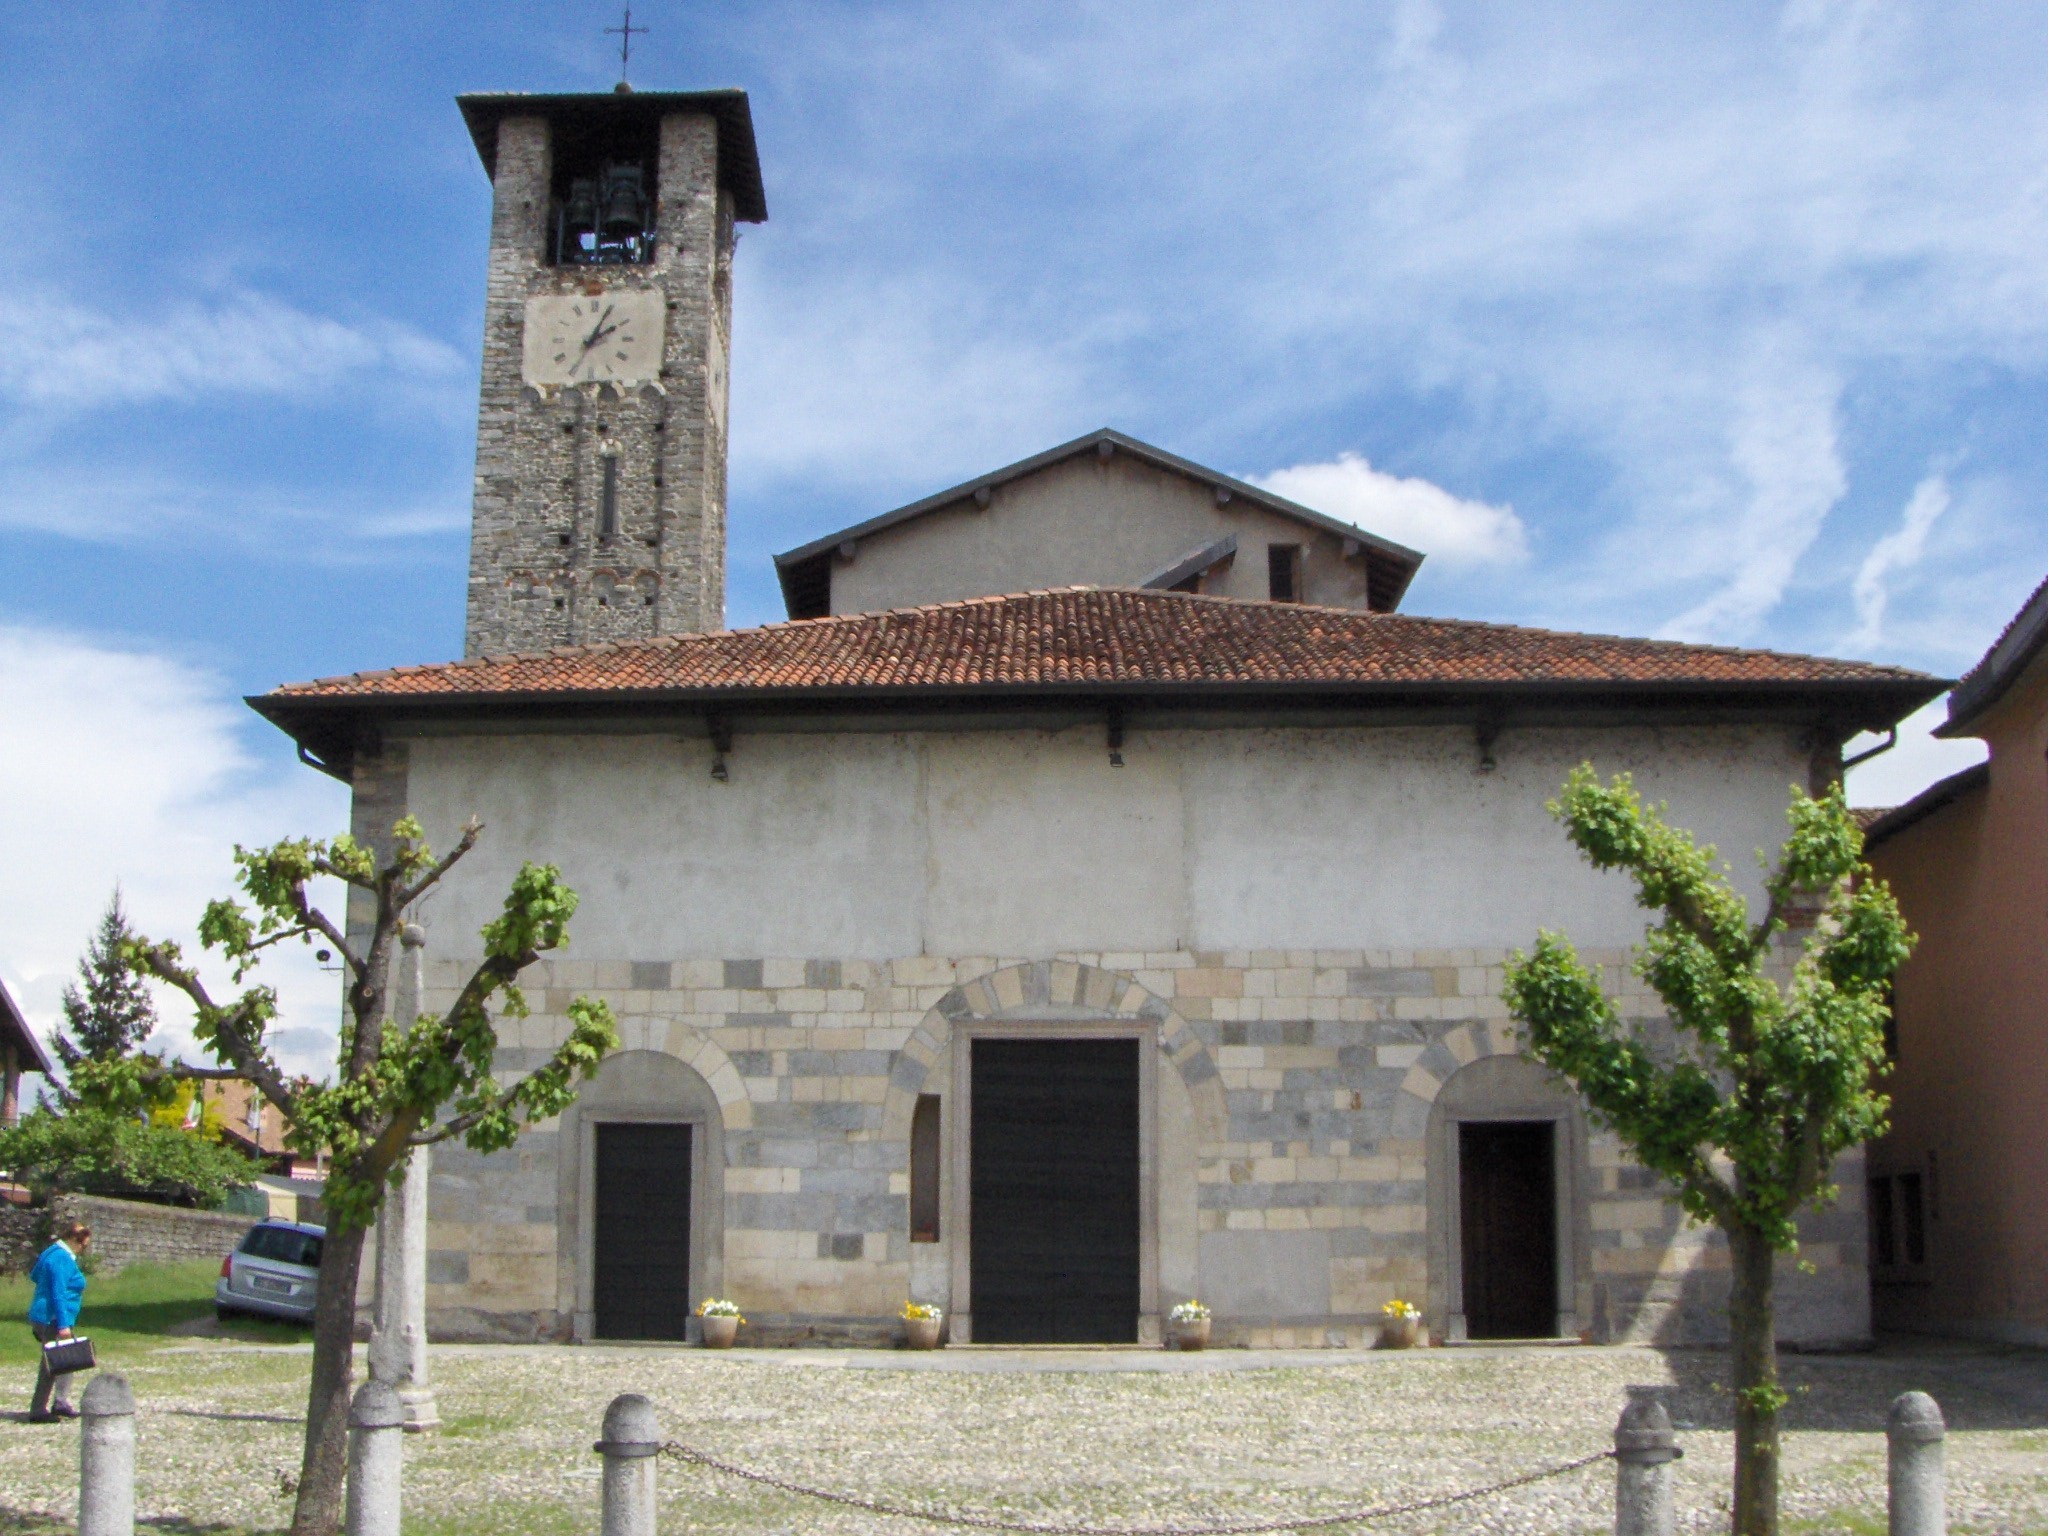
(1898, 550)
(97, 503)
(1920, 758)
(58, 353)
(1784, 446)
(1418, 513)
(120, 766)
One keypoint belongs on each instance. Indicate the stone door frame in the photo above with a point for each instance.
(957, 1181)
(691, 1101)
(1568, 1194)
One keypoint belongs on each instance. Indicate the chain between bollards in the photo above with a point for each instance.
(1034, 1528)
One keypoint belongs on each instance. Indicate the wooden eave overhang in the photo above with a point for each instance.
(330, 730)
(14, 1031)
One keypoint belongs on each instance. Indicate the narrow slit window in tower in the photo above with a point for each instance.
(608, 507)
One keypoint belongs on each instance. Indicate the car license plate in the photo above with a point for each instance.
(265, 1283)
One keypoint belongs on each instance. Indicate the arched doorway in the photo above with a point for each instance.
(642, 1193)
(1507, 1200)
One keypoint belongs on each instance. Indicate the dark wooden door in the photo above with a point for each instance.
(641, 1287)
(1054, 1191)
(1508, 1212)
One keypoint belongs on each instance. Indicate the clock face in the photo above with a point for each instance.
(610, 337)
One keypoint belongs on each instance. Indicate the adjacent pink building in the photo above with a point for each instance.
(1959, 1188)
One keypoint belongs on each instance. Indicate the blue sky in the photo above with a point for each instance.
(1730, 324)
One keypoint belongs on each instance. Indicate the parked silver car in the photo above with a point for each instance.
(273, 1272)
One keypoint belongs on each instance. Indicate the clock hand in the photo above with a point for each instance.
(597, 332)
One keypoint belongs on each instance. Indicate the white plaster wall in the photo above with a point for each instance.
(1029, 843)
(1084, 521)
(1304, 840)
(813, 846)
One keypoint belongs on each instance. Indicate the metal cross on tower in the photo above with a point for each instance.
(625, 30)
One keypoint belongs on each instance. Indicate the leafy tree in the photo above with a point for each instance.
(107, 1011)
(1770, 1082)
(395, 1077)
(96, 1153)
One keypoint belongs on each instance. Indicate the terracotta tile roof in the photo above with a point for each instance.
(1083, 636)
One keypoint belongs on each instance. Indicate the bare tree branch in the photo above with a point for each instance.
(231, 1026)
(407, 895)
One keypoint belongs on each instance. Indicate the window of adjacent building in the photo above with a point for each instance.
(1912, 1218)
(924, 1169)
(1883, 1245)
(1283, 572)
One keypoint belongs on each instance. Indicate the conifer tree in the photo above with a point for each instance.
(107, 1011)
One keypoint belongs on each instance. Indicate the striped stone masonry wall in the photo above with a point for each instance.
(1311, 1078)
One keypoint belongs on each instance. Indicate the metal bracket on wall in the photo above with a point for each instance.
(1115, 723)
(1486, 731)
(719, 728)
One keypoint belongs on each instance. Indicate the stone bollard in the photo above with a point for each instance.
(1918, 1472)
(106, 1459)
(632, 1440)
(1644, 1448)
(376, 1460)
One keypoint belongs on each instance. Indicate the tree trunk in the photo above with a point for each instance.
(318, 1510)
(1753, 1363)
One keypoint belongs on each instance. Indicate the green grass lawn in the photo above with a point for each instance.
(135, 1308)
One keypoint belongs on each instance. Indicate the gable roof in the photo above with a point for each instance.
(1107, 642)
(14, 1031)
(2010, 655)
(1398, 561)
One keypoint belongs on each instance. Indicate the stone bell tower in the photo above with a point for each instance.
(599, 509)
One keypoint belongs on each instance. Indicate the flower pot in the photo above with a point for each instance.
(921, 1332)
(1400, 1332)
(719, 1332)
(1191, 1335)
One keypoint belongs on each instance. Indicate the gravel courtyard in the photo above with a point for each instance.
(1117, 1439)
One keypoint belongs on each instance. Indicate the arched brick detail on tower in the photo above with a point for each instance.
(1056, 991)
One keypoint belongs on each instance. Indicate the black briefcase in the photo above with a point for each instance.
(66, 1357)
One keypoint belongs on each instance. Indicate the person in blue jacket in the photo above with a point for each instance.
(60, 1287)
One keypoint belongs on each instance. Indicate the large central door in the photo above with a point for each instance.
(1508, 1218)
(1054, 1191)
(641, 1279)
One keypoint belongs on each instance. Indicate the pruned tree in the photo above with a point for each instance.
(1769, 1082)
(399, 1083)
(107, 1011)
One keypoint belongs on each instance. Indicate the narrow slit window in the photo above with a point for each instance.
(608, 507)
(1283, 572)
(1883, 1245)
(1913, 1218)
(924, 1169)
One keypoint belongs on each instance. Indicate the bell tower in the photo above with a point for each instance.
(599, 509)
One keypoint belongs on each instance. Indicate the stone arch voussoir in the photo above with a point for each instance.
(1054, 989)
(707, 1058)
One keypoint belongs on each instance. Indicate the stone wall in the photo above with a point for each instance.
(543, 572)
(128, 1232)
(1297, 1120)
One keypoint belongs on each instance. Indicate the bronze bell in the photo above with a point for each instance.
(580, 212)
(624, 208)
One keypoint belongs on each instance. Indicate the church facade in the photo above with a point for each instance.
(1050, 955)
